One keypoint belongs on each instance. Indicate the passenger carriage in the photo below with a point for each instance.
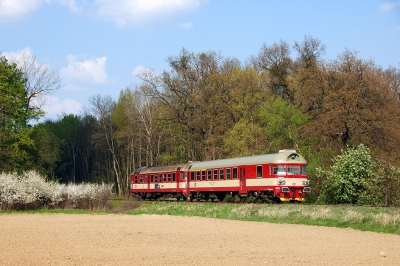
(280, 177)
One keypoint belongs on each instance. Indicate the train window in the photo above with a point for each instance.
(155, 178)
(198, 175)
(235, 175)
(293, 170)
(165, 178)
(151, 178)
(184, 176)
(192, 176)
(169, 177)
(228, 173)
(221, 174)
(173, 177)
(203, 175)
(279, 169)
(135, 179)
(208, 174)
(303, 170)
(259, 171)
(141, 179)
(215, 174)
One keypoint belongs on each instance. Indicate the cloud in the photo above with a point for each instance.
(140, 72)
(18, 55)
(187, 25)
(388, 6)
(71, 4)
(141, 11)
(87, 71)
(54, 107)
(137, 70)
(14, 9)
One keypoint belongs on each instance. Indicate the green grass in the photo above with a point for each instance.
(365, 218)
(375, 219)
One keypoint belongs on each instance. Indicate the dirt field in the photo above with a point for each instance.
(61, 239)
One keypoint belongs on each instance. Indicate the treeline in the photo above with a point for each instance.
(207, 106)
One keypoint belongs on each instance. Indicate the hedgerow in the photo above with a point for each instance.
(31, 191)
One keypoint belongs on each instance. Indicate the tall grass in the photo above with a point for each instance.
(31, 191)
(375, 219)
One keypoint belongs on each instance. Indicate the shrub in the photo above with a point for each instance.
(346, 179)
(31, 191)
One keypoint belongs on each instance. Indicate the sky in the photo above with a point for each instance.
(98, 47)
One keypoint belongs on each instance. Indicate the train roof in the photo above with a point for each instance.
(281, 156)
(162, 169)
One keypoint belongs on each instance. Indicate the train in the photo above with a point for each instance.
(278, 177)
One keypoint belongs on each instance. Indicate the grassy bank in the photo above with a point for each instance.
(375, 219)
(364, 218)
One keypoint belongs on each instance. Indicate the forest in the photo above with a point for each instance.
(342, 115)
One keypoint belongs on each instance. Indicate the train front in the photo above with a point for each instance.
(290, 173)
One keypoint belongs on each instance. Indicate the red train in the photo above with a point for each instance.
(278, 177)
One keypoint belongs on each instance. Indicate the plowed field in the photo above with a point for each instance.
(64, 239)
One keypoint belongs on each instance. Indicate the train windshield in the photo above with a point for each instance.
(279, 169)
(294, 169)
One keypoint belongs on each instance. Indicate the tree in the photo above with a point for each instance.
(48, 149)
(346, 179)
(103, 109)
(15, 142)
(40, 80)
(283, 122)
(193, 97)
(276, 62)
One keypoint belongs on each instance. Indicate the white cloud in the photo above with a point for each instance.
(14, 9)
(142, 71)
(140, 11)
(88, 71)
(71, 4)
(187, 25)
(388, 6)
(18, 55)
(138, 70)
(54, 107)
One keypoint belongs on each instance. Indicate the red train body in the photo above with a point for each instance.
(279, 177)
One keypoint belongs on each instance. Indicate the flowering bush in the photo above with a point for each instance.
(31, 191)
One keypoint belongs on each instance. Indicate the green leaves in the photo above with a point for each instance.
(346, 179)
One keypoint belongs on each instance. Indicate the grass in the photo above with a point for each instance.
(365, 218)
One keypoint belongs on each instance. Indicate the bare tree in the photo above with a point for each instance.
(103, 109)
(41, 80)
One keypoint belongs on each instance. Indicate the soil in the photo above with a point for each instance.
(116, 239)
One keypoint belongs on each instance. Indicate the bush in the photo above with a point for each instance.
(31, 191)
(347, 177)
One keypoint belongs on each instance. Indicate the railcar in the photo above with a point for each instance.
(278, 177)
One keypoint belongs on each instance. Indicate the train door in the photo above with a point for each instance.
(242, 180)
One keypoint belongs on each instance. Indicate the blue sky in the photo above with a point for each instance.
(97, 46)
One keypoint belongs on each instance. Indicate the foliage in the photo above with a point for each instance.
(283, 122)
(347, 177)
(31, 191)
(383, 188)
(15, 112)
